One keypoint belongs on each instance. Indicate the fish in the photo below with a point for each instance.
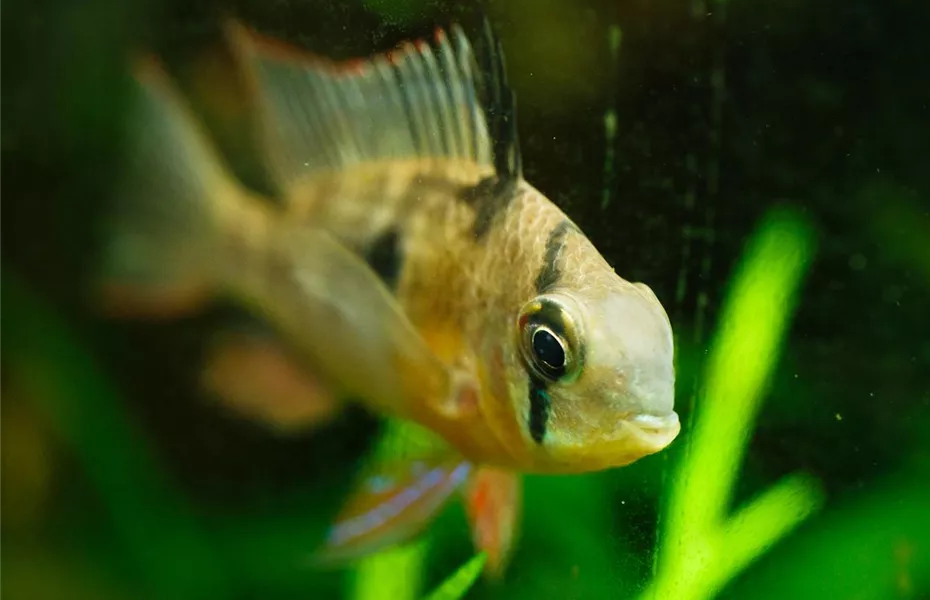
(406, 265)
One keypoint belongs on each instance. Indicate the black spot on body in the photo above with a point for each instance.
(385, 257)
(540, 403)
(550, 273)
(490, 197)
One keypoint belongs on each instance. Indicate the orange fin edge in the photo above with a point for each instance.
(493, 503)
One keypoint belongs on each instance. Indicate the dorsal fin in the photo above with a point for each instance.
(419, 100)
(501, 107)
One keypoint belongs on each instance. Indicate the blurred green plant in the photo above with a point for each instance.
(458, 584)
(396, 572)
(874, 547)
(701, 548)
(174, 555)
(899, 219)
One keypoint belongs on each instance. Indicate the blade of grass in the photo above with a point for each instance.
(458, 584)
(700, 550)
(175, 558)
(871, 547)
(395, 573)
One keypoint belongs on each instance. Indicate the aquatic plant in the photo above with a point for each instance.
(701, 547)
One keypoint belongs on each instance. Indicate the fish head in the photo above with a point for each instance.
(600, 366)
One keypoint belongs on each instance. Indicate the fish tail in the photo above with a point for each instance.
(166, 229)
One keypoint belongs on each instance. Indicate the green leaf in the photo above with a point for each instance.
(458, 584)
(702, 547)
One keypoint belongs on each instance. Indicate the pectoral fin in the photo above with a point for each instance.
(346, 325)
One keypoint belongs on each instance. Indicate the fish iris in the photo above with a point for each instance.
(549, 352)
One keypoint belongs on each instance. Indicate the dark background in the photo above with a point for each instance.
(724, 111)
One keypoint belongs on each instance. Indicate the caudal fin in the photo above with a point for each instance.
(161, 239)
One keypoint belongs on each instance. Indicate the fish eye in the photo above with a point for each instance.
(549, 340)
(549, 352)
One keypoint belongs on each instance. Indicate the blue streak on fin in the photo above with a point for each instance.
(395, 502)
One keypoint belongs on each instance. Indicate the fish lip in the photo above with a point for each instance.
(655, 431)
(634, 435)
(656, 422)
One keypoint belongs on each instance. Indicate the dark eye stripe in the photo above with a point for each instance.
(540, 403)
(550, 273)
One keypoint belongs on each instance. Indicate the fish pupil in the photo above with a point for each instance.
(549, 352)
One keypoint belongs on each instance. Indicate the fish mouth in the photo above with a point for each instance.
(634, 436)
(653, 432)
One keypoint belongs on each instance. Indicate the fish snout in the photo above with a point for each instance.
(652, 389)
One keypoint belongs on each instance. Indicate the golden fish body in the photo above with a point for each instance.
(464, 294)
(410, 266)
(477, 249)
